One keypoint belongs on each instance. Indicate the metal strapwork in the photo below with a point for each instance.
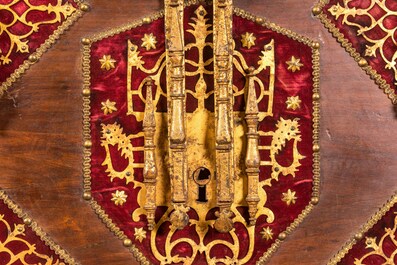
(175, 63)
(223, 73)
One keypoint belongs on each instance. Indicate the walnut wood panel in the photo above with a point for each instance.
(41, 138)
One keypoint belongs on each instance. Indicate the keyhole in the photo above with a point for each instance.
(202, 177)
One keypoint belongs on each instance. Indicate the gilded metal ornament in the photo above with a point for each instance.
(107, 62)
(139, 234)
(19, 245)
(363, 28)
(202, 165)
(149, 41)
(108, 107)
(176, 99)
(293, 103)
(294, 64)
(150, 168)
(19, 43)
(377, 42)
(267, 233)
(289, 197)
(248, 40)
(224, 125)
(26, 43)
(252, 157)
(16, 235)
(119, 197)
(377, 245)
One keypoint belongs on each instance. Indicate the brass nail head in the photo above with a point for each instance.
(358, 236)
(316, 96)
(316, 45)
(85, 41)
(316, 10)
(314, 200)
(33, 58)
(259, 20)
(27, 221)
(282, 236)
(86, 92)
(127, 242)
(84, 7)
(146, 20)
(316, 148)
(87, 196)
(87, 144)
(362, 62)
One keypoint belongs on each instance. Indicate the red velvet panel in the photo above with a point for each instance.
(19, 239)
(112, 85)
(13, 22)
(386, 20)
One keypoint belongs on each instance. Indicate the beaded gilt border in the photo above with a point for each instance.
(87, 136)
(36, 55)
(362, 62)
(370, 223)
(36, 229)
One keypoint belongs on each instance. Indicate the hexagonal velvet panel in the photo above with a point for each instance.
(278, 67)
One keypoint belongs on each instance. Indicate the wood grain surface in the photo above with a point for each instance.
(41, 139)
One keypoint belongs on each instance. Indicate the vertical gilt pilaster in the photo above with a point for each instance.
(150, 168)
(223, 73)
(252, 159)
(176, 110)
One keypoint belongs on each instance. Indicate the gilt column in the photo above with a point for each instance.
(252, 159)
(150, 168)
(223, 75)
(176, 110)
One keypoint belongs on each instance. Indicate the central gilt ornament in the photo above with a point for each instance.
(201, 133)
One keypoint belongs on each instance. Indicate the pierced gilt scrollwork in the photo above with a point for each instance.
(15, 236)
(18, 42)
(379, 34)
(112, 135)
(378, 247)
(179, 144)
(266, 62)
(287, 130)
(135, 63)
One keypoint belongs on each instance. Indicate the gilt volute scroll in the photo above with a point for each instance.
(201, 133)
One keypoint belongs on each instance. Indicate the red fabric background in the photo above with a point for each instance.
(30, 236)
(112, 85)
(359, 43)
(35, 40)
(378, 230)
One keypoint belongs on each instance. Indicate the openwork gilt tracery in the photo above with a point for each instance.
(16, 236)
(205, 138)
(381, 44)
(223, 192)
(18, 42)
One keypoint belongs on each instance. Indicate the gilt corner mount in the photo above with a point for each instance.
(28, 29)
(366, 29)
(201, 131)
